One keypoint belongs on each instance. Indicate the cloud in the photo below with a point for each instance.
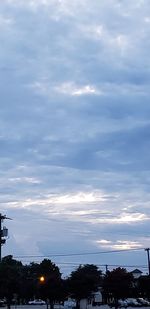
(119, 244)
(69, 88)
(74, 126)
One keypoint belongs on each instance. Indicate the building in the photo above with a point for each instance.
(92, 302)
(136, 273)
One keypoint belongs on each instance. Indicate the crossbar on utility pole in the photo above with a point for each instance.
(3, 233)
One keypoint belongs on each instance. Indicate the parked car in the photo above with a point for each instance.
(132, 302)
(2, 303)
(143, 301)
(122, 303)
(36, 302)
(69, 303)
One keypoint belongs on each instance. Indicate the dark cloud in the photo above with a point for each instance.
(74, 127)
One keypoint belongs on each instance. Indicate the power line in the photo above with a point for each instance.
(78, 254)
(71, 264)
(101, 265)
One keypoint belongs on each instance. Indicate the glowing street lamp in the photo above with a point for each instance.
(42, 279)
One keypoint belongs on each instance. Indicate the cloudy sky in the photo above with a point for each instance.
(75, 130)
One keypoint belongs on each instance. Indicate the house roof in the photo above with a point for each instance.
(136, 271)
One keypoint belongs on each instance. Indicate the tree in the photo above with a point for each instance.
(10, 274)
(144, 286)
(51, 286)
(83, 281)
(117, 283)
(29, 282)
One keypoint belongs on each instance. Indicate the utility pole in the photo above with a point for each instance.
(3, 233)
(106, 268)
(148, 258)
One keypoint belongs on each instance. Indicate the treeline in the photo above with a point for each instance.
(44, 280)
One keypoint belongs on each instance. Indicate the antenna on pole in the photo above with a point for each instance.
(3, 233)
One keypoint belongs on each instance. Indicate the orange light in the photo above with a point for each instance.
(42, 279)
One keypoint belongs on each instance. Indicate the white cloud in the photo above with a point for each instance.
(126, 244)
(67, 88)
(119, 244)
(24, 180)
(124, 218)
(63, 201)
(104, 242)
(70, 88)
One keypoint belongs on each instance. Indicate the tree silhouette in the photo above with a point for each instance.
(50, 287)
(10, 275)
(84, 280)
(118, 283)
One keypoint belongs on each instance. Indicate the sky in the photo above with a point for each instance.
(75, 131)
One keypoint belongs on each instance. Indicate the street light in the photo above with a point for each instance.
(42, 279)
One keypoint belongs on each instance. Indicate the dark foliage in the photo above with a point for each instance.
(23, 283)
(144, 286)
(118, 283)
(84, 280)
